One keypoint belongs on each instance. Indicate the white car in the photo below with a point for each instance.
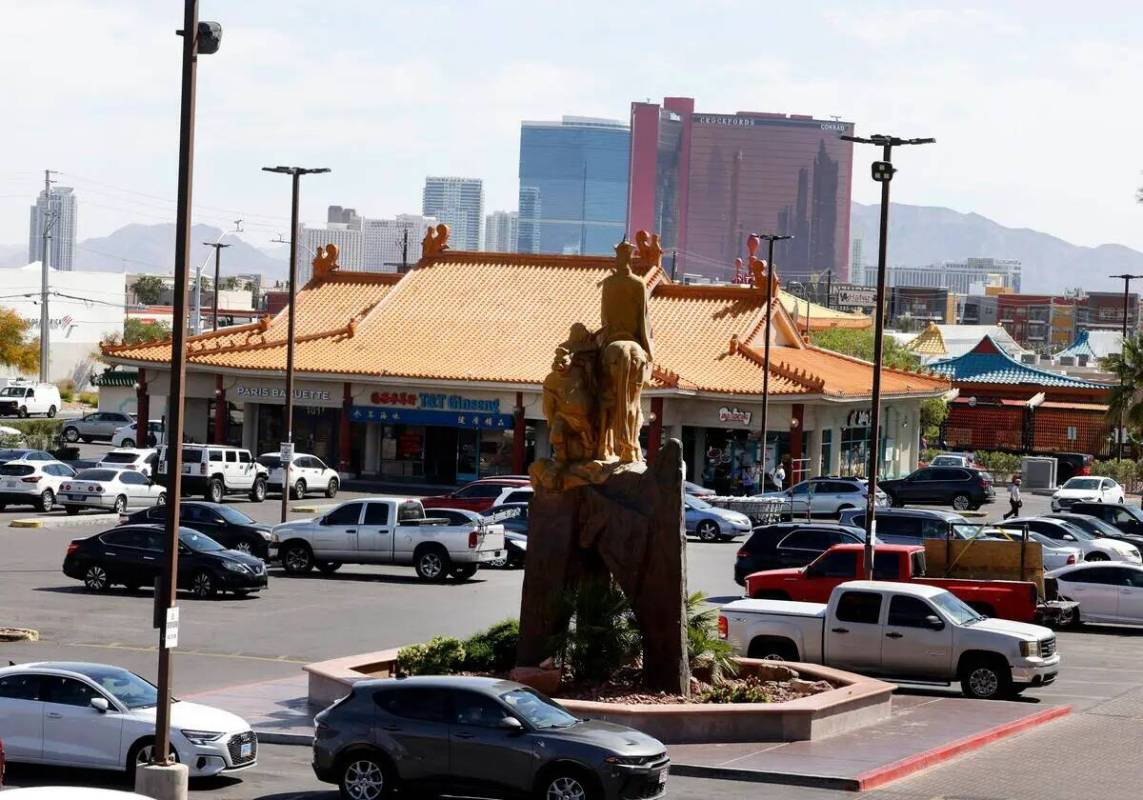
(13, 436)
(1087, 489)
(69, 793)
(130, 458)
(307, 474)
(1093, 548)
(24, 399)
(127, 435)
(113, 490)
(1105, 592)
(514, 494)
(32, 483)
(98, 716)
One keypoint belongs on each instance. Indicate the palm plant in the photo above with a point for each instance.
(1127, 395)
(707, 652)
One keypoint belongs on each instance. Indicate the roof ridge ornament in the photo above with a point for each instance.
(435, 241)
(650, 249)
(325, 261)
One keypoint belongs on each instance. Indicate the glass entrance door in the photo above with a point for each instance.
(467, 454)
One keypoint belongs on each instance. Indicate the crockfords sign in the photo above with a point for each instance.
(733, 415)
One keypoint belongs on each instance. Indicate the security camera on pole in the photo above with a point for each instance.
(883, 171)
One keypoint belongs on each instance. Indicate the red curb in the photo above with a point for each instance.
(907, 766)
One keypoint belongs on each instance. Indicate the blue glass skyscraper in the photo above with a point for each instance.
(573, 185)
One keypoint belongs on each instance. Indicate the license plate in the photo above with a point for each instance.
(10, 485)
(77, 497)
(246, 750)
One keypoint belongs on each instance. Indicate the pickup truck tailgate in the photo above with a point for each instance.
(492, 538)
(744, 617)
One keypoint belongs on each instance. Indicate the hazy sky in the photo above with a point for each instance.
(1035, 105)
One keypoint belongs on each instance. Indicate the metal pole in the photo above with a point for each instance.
(288, 418)
(47, 222)
(829, 287)
(217, 258)
(165, 597)
(1127, 278)
(770, 238)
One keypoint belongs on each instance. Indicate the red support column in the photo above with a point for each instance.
(345, 431)
(142, 410)
(797, 471)
(655, 435)
(220, 414)
(518, 452)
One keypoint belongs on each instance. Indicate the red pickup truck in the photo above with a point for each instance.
(1015, 600)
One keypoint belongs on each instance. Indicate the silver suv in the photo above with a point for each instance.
(825, 497)
(215, 470)
(100, 425)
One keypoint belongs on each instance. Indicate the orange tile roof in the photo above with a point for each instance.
(497, 317)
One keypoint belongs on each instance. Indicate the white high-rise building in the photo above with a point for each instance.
(500, 231)
(62, 210)
(384, 241)
(351, 253)
(857, 262)
(459, 203)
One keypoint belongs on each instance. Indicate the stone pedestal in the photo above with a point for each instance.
(167, 782)
(631, 525)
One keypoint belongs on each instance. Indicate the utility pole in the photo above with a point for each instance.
(217, 258)
(882, 173)
(405, 250)
(165, 779)
(288, 446)
(751, 246)
(48, 221)
(674, 263)
(1126, 278)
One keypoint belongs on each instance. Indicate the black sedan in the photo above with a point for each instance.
(1128, 519)
(132, 556)
(790, 544)
(1097, 526)
(228, 526)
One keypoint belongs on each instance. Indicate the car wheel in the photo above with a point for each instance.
(331, 488)
(961, 502)
(328, 567)
(567, 785)
(161, 500)
(71, 434)
(71, 511)
(243, 546)
(297, 559)
(120, 505)
(1096, 557)
(258, 491)
(96, 579)
(300, 490)
(464, 572)
(22, 413)
(365, 777)
(128, 443)
(215, 490)
(51, 412)
(141, 754)
(985, 679)
(432, 563)
(708, 531)
(202, 585)
(47, 500)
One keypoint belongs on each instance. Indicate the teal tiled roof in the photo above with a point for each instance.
(987, 363)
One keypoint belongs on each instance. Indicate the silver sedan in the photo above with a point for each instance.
(113, 490)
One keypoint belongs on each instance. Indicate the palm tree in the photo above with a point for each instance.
(1127, 396)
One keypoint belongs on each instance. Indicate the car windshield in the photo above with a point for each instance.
(1093, 525)
(126, 687)
(11, 455)
(539, 711)
(695, 503)
(233, 516)
(963, 529)
(120, 458)
(13, 391)
(270, 462)
(96, 474)
(1090, 484)
(955, 608)
(196, 541)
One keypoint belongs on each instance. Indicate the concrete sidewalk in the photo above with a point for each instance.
(921, 732)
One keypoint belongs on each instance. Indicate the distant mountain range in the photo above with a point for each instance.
(917, 235)
(927, 235)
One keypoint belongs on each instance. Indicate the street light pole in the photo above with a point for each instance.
(882, 173)
(295, 173)
(204, 38)
(217, 258)
(1126, 278)
(770, 238)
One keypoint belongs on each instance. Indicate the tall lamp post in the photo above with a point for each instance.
(769, 238)
(217, 263)
(1126, 278)
(882, 173)
(288, 446)
(204, 38)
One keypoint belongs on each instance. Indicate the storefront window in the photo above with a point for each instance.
(854, 451)
(235, 417)
(827, 450)
(315, 431)
(403, 451)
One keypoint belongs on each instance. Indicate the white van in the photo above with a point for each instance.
(24, 399)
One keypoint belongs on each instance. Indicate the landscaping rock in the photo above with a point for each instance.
(770, 671)
(544, 681)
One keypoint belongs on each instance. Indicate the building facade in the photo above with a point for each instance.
(573, 185)
(707, 181)
(500, 231)
(969, 277)
(392, 245)
(351, 251)
(458, 203)
(58, 211)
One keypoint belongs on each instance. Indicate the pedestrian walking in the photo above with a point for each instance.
(1014, 498)
(780, 475)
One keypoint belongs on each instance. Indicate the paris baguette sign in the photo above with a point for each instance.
(733, 415)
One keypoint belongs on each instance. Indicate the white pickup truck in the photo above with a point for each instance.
(901, 631)
(385, 530)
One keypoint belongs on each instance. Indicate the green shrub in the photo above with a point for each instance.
(67, 390)
(601, 636)
(747, 690)
(1125, 471)
(442, 655)
(89, 399)
(707, 652)
(493, 649)
(40, 434)
(997, 462)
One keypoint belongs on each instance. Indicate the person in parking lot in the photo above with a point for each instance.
(1014, 498)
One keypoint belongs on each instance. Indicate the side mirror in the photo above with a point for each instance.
(1068, 537)
(100, 704)
(933, 622)
(512, 725)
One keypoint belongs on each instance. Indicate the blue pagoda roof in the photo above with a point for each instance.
(987, 363)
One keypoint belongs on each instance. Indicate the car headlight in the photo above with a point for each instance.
(202, 737)
(1030, 649)
(269, 537)
(234, 566)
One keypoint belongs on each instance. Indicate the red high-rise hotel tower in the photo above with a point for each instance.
(707, 181)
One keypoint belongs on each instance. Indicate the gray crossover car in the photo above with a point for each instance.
(479, 737)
